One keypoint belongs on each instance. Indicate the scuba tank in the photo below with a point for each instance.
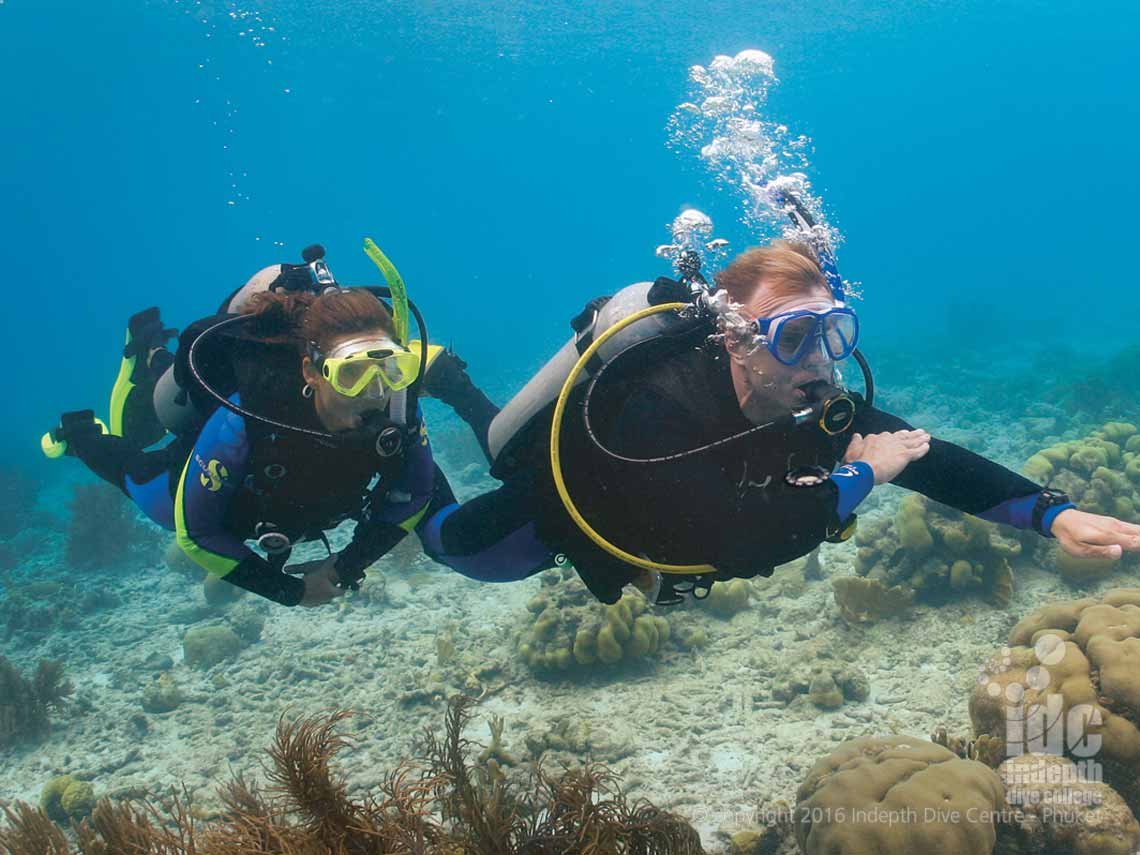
(203, 376)
(599, 315)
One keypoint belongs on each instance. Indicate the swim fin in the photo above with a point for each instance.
(145, 357)
(54, 443)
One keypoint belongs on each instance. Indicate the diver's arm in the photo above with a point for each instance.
(394, 509)
(212, 475)
(958, 477)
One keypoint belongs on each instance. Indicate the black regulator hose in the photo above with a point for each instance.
(322, 436)
(783, 423)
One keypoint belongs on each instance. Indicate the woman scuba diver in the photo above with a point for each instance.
(717, 442)
(293, 415)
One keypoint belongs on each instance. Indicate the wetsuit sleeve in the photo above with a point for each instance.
(964, 480)
(853, 482)
(213, 473)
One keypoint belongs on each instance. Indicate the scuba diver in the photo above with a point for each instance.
(291, 410)
(687, 435)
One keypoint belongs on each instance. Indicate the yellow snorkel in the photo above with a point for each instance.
(396, 288)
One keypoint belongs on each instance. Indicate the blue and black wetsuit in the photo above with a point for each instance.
(730, 507)
(214, 489)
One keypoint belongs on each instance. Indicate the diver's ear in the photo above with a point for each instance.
(309, 371)
(734, 348)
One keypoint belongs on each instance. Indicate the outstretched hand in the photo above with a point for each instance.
(320, 581)
(1086, 535)
(888, 453)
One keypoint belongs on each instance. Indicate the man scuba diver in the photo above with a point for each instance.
(293, 409)
(717, 441)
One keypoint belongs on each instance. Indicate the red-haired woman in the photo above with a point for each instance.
(314, 428)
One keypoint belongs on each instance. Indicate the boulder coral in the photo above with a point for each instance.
(938, 801)
(1052, 807)
(936, 551)
(65, 798)
(1068, 682)
(863, 600)
(206, 646)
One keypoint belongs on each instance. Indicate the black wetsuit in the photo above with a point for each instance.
(730, 507)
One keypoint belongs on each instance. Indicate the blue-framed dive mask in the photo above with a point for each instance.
(790, 336)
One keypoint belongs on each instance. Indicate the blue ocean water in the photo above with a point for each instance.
(511, 158)
(515, 160)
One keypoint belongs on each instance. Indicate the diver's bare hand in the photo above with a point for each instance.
(1086, 535)
(888, 453)
(320, 584)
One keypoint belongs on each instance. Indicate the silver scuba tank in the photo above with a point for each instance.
(543, 388)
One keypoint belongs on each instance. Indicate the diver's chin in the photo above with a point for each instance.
(761, 409)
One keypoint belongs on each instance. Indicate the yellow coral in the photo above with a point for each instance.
(728, 598)
(572, 631)
(863, 600)
(911, 525)
(962, 575)
(1117, 431)
(1038, 468)
(1084, 571)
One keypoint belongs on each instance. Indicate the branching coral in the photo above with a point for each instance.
(25, 703)
(573, 631)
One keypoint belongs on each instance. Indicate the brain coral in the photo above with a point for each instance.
(897, 794)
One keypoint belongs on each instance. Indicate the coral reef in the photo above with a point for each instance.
(937, 551)
(844, 803)
(1068, 682)
(102, 526)
(247, 622)
(216, 591)
(573, 631)
(451, 806)
(727, 598)
(1051, 807)
(162, 694)
(827, 685)
(66, 798)
(1101, 474)
(42, 607)
(863, 600)
(25, 703)
(565, 733)
(206, 646)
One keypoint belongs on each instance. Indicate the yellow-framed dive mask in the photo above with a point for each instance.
(355, 366)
